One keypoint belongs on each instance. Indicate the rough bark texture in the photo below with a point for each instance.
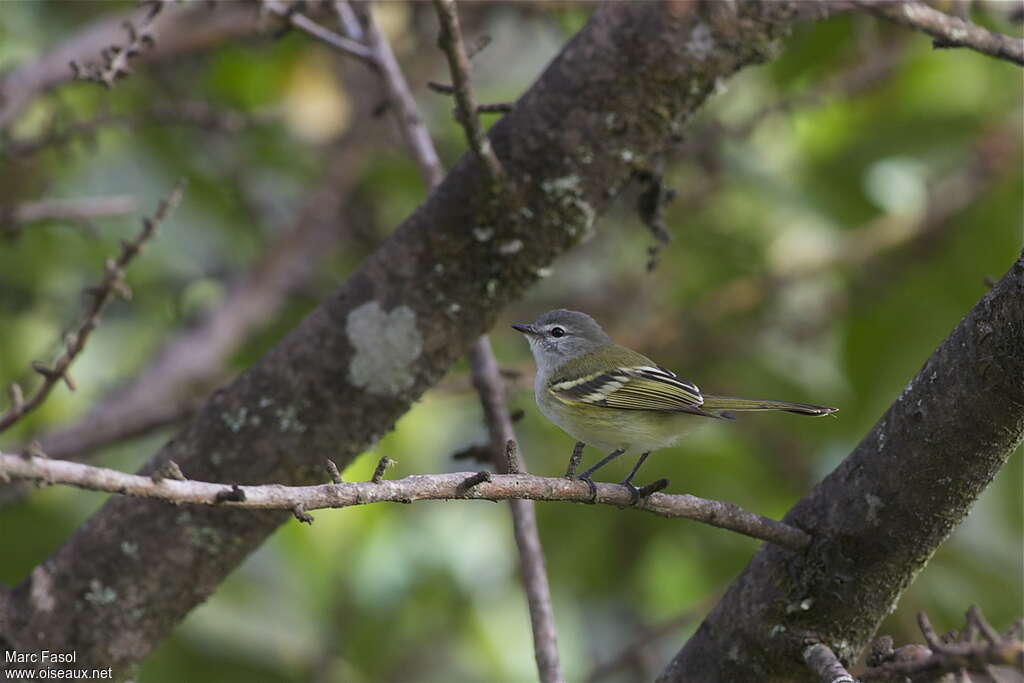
(882, 513)
(615, 96)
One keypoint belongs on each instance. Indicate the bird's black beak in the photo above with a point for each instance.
(525, 329)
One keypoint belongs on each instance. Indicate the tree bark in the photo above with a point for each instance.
(877, 519)
(619, 92)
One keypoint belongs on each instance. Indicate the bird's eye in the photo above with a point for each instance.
(557, 332)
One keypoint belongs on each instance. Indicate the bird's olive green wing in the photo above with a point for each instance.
(636, 384)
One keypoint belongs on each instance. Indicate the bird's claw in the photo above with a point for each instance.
(653, 487)
(593, 488)
(636, 494)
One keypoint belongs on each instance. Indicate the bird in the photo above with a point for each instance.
(615, 399)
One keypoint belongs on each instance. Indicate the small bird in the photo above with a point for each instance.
(618, 400)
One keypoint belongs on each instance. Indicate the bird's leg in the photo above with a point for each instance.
(635, 493)
(604, 461)
(574, 461)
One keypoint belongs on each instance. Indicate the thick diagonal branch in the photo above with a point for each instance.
(878, 517)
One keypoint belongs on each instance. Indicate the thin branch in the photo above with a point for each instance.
(181, 30)
(407, 113)
(78, 210)
(949, 31)
(495, 108)
(101, 294)
(490, 386)
(977, 647)
(450, 42)
(485, 371)
(115, 57)
(413, 488)
(300, 21)
(820, 659)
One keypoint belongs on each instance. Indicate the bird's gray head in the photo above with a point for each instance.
(561, 335)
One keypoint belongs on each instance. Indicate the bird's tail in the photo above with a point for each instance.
(729, 403)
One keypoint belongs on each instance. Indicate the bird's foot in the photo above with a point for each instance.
(636, 494)
(590, 483)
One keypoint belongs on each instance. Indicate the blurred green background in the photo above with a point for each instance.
(838, 212)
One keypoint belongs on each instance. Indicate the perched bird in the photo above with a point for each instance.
(618, 400)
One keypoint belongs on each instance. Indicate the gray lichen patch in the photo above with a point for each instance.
(99, 594)
(386, 346)
(701, 44)
(235, 421)
(288, 420)
(41, 591)
(567, 193)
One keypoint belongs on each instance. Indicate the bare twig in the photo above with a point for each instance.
(332, 471)
(382, 466)
(949, 31)
(115, 57)
(450, 42)
(977, 647)
(300, 21)
(101, 294)
(490, 387)
(495, 108)
(181, 30)
(79, 209)
(410, 121)
(486, 375)
(820, 659)
(420, 487)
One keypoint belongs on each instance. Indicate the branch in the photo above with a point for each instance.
(332, 384)
(820, 659)
(115, 57)
(484, 367)
(978, 646)
(181, 30)
(78, 210)
(875, 518)
(407, 113)
(951, 31)
(300, 21)
(101, 294)
(450, 41)
(413, 488)
(490, 386)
